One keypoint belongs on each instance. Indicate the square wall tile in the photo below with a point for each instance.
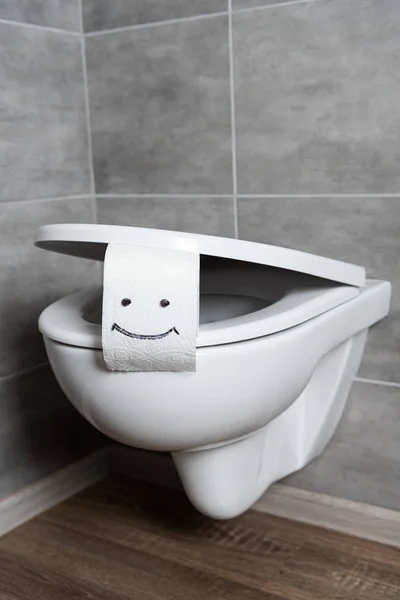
(103, 14)
(31, 279)
(364, 231)
(43, 129)
(160, 109)
(317, 98)
(211, 216)
(362, 461)
(40, 431)
(62, 14)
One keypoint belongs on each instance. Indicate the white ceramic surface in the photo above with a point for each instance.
(280, 395)
(272, 379)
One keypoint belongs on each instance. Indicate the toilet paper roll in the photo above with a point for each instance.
(150, 309)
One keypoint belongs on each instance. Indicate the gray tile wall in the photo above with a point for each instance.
(315, 111)
(100, 15)
(45, 178)
(213, 216)
(160, 112)
(43, 134)
(278, 122)
(59, 14)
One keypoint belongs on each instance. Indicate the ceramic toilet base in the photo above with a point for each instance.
(225, 480)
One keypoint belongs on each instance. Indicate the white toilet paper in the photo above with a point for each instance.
(150, 309)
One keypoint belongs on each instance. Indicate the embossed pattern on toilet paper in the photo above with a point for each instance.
(150, 309)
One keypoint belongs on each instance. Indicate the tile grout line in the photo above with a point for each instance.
(87, 102)
(182, 196)
(51, 199)
(80, 17)
(273, 5)
(244, 195)
(321, 195)
(22, 372)
(140, 26)
(39, 27)
(233, 120)
(376, 382)
(89, 193)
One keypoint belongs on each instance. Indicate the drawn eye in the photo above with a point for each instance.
(126, 302)
(164, 303)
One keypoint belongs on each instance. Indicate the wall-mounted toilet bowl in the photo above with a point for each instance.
(281, 338)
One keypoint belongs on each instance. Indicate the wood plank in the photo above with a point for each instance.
(126, 539)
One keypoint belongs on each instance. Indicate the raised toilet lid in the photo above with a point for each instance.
(90, 241)
(305, 301)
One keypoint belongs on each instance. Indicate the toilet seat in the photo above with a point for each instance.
(295, 286)
(64, 320)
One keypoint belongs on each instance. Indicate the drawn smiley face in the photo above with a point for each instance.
(125, 302)
(150, 309)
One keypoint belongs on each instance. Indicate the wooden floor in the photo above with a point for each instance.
(130, 540)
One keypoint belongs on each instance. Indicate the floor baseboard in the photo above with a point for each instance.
(338, 514)
(49, 491)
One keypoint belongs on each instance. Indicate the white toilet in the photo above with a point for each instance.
(281, 338)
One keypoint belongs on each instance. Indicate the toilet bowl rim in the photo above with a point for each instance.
(63, 320)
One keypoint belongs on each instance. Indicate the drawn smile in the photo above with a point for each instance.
(138, 336)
